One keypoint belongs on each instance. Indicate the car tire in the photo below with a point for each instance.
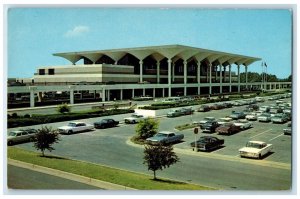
(133, 122)
(70, 132)
(31, 139)
(9, 143)
(259, 156)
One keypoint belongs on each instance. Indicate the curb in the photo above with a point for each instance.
(69, 176)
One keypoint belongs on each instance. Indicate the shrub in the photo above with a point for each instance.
(26, 116)
(147, 128)
(63, 108)
(14, 115)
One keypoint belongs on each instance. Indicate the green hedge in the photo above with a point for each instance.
(42, 119)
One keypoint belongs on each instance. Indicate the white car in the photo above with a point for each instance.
(224, 120)
(134, 118)
(243, 124)
(258, 113)
(206, 119)
(265, 117)
(251, 116)
(75, 127)
(255, 149)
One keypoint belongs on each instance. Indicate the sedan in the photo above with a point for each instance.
(74, 127)
(251, 116)
(21, 136)
(106, 123)
(207, 143)
(243, 124)
(265, 117)
(228, 129)
(203, 108)
(237, 115)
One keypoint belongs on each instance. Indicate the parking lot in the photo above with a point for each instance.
(112, 147)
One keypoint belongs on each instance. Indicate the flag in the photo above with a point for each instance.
(266, 64)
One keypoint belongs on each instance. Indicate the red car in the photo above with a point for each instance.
(228, 129)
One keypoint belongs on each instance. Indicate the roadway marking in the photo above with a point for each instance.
(276, 137)
(261, 133)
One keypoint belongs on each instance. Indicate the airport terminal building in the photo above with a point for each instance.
(157, 71)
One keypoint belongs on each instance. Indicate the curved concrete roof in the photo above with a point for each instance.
(159, 52)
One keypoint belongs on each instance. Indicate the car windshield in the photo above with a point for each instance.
(265, 114)
(12, 133)
(72, 124)
(208, 119)
(254, 145)
(161, 135)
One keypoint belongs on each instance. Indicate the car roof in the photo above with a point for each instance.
(165, 132)
(257, 142)
(77, 122)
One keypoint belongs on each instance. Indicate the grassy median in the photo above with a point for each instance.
(121, 177)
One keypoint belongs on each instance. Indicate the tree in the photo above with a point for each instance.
(63, 108)
(159, 157)
(45, 138)
(147, 128)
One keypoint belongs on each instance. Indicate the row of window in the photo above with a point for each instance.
(50, 71)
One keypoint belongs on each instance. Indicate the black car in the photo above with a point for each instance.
(209, 127)
(106, 123)
(207, 143)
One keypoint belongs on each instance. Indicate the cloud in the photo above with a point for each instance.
(77, 31)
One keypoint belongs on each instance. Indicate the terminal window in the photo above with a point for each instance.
(51, 71)
(41, 71)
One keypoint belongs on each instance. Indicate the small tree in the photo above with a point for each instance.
(45, 138)
(147, 128)
(116, 106)
(159, 157)
(63, 108)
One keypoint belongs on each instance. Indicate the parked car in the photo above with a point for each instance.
(187, 111)
(20, 136)
(279, 118)
(251, 116)
(228, 129)
(237, 115)
(75, 127)
(216, 107)
(175, 113)
(265, 117)
(209, 127)
(106, 123)
(165, 137)
(287, 110)
(253, 107)
(206, 119)
(134, 118)
(237, 103)
(288, 130)
(264, 108)
(203, 108)
(243, 124)
(255, 149)
(224, 120)
(207, 143)
(259, 99)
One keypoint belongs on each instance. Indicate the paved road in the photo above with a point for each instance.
(221, 168)
(20, 178)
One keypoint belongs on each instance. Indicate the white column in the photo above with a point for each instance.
(185, 75)
(210, 66)
(141, 71)
(198, 90)
(239, 79)
(153, 93)
(169, 76)
(71, 96)
(221, 82)
(103, 95)
(198, 72)
(158, 71)
(163, 92)
(144, 92)
(246, 71)
(32, 98)
(132, 93)
(121, 94)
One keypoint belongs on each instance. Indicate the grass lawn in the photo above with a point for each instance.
(186, 126)
(117, 176)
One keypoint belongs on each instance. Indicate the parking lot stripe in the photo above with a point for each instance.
(276, 137)
(261, 133)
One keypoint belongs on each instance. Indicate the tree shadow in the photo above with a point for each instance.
(167, 181)
(52, 157)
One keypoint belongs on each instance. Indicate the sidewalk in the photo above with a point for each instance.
(69, 176)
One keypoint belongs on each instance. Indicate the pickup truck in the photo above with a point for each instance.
(165, 137)
(255, 149)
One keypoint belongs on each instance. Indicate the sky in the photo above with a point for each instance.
(34, 34)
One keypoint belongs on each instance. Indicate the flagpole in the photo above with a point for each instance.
(262, 76)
